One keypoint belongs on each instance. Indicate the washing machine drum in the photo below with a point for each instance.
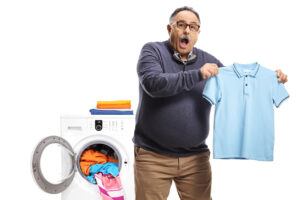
(97, 152)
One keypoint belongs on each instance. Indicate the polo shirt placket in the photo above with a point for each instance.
(246, 74)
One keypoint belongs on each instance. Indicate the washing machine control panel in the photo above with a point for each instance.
(115, 125)
(97, 125)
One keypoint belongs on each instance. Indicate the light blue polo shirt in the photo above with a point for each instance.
(243, 95)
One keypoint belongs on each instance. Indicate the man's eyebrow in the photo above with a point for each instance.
(182, 20)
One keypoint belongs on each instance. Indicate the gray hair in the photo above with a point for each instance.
(182, 9)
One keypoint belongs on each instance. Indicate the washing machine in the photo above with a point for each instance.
(56, 159)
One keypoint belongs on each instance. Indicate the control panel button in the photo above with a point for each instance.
(98, 125)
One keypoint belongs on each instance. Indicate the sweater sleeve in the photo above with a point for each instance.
(156, 83)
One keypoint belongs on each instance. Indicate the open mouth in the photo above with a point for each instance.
(184, 41)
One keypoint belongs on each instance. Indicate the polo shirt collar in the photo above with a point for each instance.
(240, 69)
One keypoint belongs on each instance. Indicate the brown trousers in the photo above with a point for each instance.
(154, 174)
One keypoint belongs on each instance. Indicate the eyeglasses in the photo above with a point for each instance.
(182, 26)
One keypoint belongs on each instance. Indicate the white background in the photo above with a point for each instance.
(60, 57)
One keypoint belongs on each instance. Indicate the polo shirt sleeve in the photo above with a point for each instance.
(279, 93)
(212, 91)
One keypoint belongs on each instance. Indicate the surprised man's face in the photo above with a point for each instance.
(183, 39)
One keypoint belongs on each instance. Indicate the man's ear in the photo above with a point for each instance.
(169, 28)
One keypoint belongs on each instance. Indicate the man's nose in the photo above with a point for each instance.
(187, 29)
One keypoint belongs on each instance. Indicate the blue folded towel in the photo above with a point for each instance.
(111, 112)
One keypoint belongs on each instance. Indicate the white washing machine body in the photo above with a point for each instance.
(77, 134)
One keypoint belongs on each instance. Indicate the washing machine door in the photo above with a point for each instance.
(53, 164)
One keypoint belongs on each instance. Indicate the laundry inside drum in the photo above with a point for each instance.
(99, 158)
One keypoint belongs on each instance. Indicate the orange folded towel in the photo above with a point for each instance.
(113, 106)
(91, 157)
(120, 104)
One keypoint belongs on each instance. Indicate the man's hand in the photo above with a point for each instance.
(281, 76)
(208, 70)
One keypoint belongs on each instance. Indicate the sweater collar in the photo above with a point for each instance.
(176, 55)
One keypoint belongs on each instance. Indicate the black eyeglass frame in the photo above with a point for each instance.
(187, 25)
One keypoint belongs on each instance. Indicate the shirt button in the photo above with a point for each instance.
(246, 75)
(246, 84)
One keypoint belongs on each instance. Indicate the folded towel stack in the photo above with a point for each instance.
(120, 107)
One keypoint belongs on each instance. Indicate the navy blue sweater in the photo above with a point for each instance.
(172, 116)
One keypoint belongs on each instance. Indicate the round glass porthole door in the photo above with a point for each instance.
(53, 164)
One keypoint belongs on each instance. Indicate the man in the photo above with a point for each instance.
(172, 120)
